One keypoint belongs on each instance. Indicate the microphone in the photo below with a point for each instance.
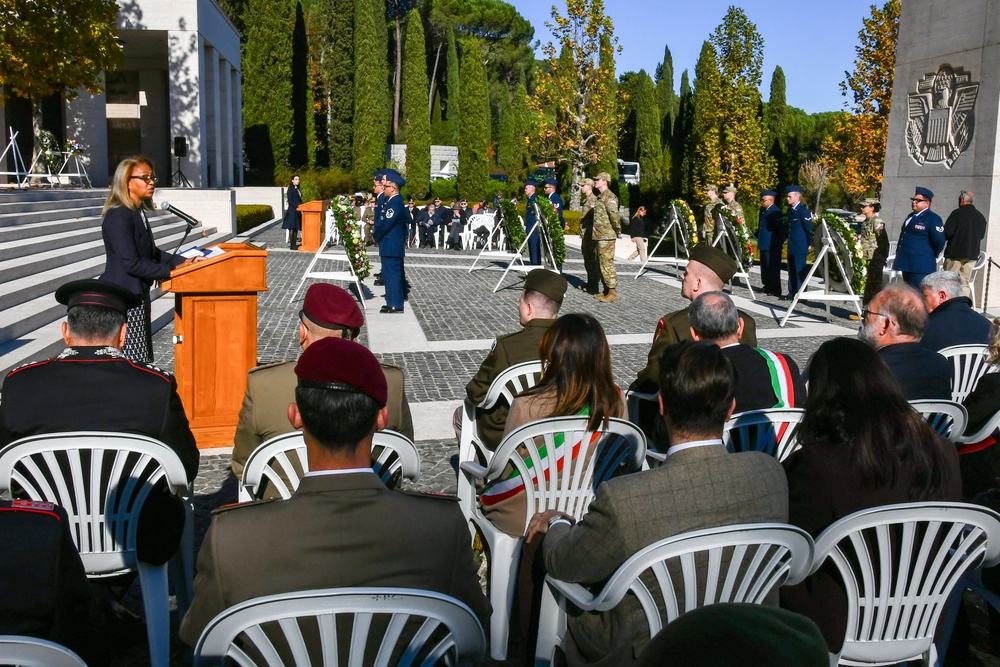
(166, 206)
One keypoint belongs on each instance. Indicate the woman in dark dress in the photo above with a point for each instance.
(132, 259)
(293, 217)
(863, 446)
(637, 230)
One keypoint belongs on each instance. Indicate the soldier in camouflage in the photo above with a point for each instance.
(707, 231)
(875, 245)
(607, 228)
(587, 244)
(729, 195)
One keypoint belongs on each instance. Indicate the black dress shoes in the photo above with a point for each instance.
(387, 309)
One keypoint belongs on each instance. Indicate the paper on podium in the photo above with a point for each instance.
(207, 253)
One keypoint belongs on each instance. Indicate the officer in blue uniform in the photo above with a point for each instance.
(770, 239)
(390, 233)
(377, 187)
(557, 201)
(534, 240)
(921, 240)
(800, 232)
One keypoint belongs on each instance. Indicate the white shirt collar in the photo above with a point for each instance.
(673, 449)
(342, 471)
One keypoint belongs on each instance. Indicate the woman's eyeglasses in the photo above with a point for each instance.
(148, 178)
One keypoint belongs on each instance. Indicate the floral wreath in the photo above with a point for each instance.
(512, 224)
(687, 219)
(551, 220)
(343, 217)
(853, 243)
(746, 248)
(74, 147)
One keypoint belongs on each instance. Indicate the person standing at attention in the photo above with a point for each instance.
(293, 217)
(799, 238)
(530, 218)
(921, 240)
(770, 239)
(390, 234)
(607, 228)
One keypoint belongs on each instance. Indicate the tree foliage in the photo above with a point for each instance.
(338, 65)
(575, 118)
(396, 11)
(681, 137)
(607, 86)
(302, 147)
(648, 149)
(705, 138)
(453, 85)
(416, 121)
(513, 156)
(474, 122)
(666, 98)
(779, 129)
(371, 89)
(857, 157)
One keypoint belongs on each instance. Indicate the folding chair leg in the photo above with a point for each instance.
(551, 628)
(502, 588)
(156, 605)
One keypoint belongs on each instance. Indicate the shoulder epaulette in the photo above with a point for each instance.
(270, 365)
(430, 494)
(32, 505)
(248, 503)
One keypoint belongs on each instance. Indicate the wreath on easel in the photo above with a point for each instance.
(687, 219)
(742, 235)
(343, 217)
(852, 242)
(550, 218)
(512, 224)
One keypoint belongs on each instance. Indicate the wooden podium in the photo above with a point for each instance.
(313, 219)
(215, 337)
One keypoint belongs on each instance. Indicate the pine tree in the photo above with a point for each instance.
(266, 61)
(371, 89)
(339, 64)
(474, 124)
(298, 152)
(416, 123)
(453, 92)
(648, 148)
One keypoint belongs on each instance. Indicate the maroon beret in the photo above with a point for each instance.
(332, 307)
(342, 365)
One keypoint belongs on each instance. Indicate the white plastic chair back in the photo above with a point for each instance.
(272, 626)
(987, 430)
(946, 418)
(976, 268)
(282, 461)
(31, 652)
(634, 400)
(771, 431)
(741, 563)
(899, 563)
(970, 364)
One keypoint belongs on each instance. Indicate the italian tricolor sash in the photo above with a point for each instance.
(781, 378)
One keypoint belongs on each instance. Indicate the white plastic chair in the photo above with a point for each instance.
(980, 435)
(741, 563)
(565, 485)
(892, 274)
(32, 652)
(771, 431)
(272, 626)
(73, 470)
(634, 400)
(281, 462)
(899, 564)
(946, 418)
(970, 363)
(976, 268)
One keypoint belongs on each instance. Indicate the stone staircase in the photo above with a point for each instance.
(47, 238)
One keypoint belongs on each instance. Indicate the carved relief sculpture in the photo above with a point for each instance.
(941, 116)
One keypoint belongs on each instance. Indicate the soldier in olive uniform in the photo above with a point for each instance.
(587, 244)
(729, 195)
(875, 244)
(707, 231)
(607, 228)
(328, 311)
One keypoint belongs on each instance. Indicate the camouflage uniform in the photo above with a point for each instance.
(875, 245)
(607, 227)
(588, 245)
(735, 207)
(707, 232)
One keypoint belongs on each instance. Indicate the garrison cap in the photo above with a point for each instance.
(870, 201)
(768, 193)
(603, 176)
(99, 293)
(533, 183)
(394, 176)
(722, 264)
(711, 186)
(731, 188)
(379, 173)
(923, 191)
(332, 307)
(794, 188)
(588, 181)
(549, 283)
(551, 181)
(338, 364)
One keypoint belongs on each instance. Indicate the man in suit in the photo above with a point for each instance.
(921, 240)
(342, 527)
(700, 485)
(423, 222)
(964, 232)
(411, 206)
(770, 239)
(91, 386)
(951, 319)
(444, 224)
(390, 234)
(800, 233)
(328, 311)
(764, 379)
(530, 218)
(893, 323)
(538, 308)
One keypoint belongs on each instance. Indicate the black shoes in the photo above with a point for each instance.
(387, 309)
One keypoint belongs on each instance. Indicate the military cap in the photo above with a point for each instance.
(549, 283)
(722, 264)
(338, 364)
(532, 183)
(332, 307)
(394, 176)
(379, 173)
(711, 186)
(793, 188)
(551, 181)
(923, 191)
(731, 188)
(588, 181)
(768, 193)
(603, 176)
(731, 634)
(99, 293)
(870, 201)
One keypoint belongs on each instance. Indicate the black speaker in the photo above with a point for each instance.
(180, 147)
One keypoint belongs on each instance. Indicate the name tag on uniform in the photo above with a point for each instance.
(920, 227)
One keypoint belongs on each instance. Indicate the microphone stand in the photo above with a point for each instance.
(187, 230)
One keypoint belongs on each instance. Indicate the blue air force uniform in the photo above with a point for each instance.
(534, 239)
(770, 239)
(557, 204)
(800, 233)
(390, 233)
(921, 240)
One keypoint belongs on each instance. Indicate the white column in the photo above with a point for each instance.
(187, 91)
(226, 124)
(237, 106)
(213, 137)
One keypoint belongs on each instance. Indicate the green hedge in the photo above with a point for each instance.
(249, 216)
(319, 183)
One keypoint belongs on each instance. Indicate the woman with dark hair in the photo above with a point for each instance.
(577, 380)
(637, 230)
(293, 217)
(863, 446)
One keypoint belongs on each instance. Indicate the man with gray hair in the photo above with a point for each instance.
(951, 321)
(964, 231)
(764, 379)
(893, 323)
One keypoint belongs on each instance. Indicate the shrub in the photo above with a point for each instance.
(445, 188)
(249, 216)
(572, 219)
(318, 183)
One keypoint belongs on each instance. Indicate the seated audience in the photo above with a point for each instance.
(764, 379)
(577, 381)
(951, 319)
(700, 485)
(862, 446)
(984, 401)
(893, 323)
(342, 526)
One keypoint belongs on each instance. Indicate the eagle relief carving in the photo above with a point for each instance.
(941, 116)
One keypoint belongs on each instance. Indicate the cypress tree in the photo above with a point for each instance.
(371, 89)
(608, 88)
(439, 127)
(705, 139)
(339, 63)
(415, 124)
(648, 149)
(777, 128)
(520, 166)
(507, 138)
(298, 153)
(681, 136)
(474, 124)
(452, 88)
(665, 96)
(266, 60)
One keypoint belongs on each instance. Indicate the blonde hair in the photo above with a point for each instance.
(119, 195)
(993, 350)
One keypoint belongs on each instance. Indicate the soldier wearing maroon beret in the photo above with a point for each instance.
(342, 526)
(328, 311)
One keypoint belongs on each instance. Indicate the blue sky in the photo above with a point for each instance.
(812, 40)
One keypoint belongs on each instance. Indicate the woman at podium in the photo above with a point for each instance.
(132, 259)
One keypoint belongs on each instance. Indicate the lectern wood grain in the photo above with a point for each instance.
(313, 218)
